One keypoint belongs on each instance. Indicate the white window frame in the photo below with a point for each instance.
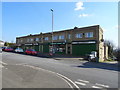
(31, 40)
(28, 40)
(36, 39)
(69, 36)
(21, 40)
(61, 37)
(55, 37)
(46, 38)
(89, 34)
(79, 35)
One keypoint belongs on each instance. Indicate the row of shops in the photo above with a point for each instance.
(75, 42)
(74, 48)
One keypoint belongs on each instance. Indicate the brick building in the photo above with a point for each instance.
(76, 41)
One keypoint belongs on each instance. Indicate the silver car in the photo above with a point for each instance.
(19, 50)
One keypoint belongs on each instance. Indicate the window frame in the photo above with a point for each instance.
(89, 34)
(79, 35)
(46, 38)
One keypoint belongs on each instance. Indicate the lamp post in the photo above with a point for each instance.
(52, 30)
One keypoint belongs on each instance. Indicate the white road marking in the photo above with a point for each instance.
(83, 84)
(3, 63)
(102, 85)
(59, 75)
(1, 66)
(21, 64)
(83, 81)
(95, 87)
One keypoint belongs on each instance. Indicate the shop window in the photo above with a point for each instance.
(89, 34)
(78, 35)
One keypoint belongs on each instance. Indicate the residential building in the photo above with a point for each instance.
(1, 43)
(76, 41)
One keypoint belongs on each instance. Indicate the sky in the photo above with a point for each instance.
(24, 18)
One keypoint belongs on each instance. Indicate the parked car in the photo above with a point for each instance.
(3, 48)
(31, 51)
(0, 49)
(92, 56)
(19, 50)
(8, 49)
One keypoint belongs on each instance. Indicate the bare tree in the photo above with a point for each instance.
(110, 47)
(117, 53)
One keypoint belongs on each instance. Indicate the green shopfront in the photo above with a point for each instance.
(58, 47)
(78, 48)
(83, 48)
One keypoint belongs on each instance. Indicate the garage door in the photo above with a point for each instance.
(83, 49)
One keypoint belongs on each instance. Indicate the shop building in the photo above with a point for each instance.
(76, 41)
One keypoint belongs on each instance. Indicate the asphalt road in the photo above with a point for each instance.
(27, 71)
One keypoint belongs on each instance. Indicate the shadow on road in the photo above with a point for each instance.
(107, 66)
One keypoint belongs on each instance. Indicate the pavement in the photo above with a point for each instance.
(69, 57)
(77, 73)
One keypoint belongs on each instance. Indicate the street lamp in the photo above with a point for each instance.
(52, 30)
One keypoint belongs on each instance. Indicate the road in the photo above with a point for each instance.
(25, 71)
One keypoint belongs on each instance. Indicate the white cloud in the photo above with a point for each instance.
(84, 15)
(79, 6)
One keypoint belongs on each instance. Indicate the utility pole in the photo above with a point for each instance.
(52, 30)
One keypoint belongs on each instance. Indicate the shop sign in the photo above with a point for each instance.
(35, 44)
(29, 44)
(57, 43)
(89, 42)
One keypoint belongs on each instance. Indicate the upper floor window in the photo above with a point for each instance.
(89, 34)
(21, 40)
(18, 40)
(28, 40)
(78, 35)
(46, 38)
(55, 37)
(69, 36)
(31, 39)
(36, 39)
(61, 37)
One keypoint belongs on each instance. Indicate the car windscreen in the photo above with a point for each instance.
(32, 50)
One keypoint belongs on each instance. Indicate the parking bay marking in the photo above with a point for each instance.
(80, 83)
(106, 86)
(95, 87)
(83, 81)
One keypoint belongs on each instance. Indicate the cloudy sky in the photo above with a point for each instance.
(23, 18)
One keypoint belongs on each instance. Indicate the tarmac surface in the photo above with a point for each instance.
(30, 71)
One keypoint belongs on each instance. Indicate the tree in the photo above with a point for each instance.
(110, 47)
(117, 53)
(6, 44)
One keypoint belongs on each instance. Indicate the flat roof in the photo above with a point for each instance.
(57, 31)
